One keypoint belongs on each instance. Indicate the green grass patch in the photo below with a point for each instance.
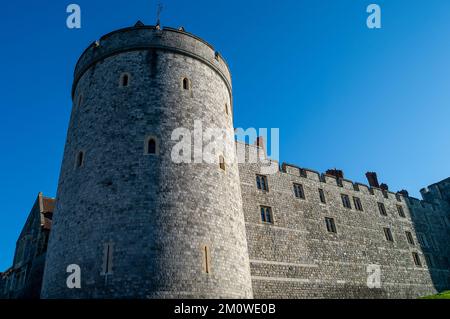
(442, 295)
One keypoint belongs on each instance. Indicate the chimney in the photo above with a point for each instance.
(336, 173)
(372, 179)
(384, 187)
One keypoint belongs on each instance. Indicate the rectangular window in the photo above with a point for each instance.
(382, 209)
(206, 259)
(346, 201)
(416, 258)
(385, 194)
(107, 259)
(331, 226)
(266, 214)
(401, 213)
(322, 196)
(298, 191)
(388, 234)
(410, 238)
(357, 203)
(397, 196)
(261, 183)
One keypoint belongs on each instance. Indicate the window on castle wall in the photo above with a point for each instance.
(382, 209)
(226, 108)
(80, 100)
(322, 196)
(388, 234)
(222, 162)
(266, 214)
(357, 203)
(346, 201)
(107, 259)
(416, 259)
(79, 159)
(299, 191)
(186, 84)
(124, 80)
(401, 213)
(410, 238)
(397, 196)
(206, 259)
(151, 146)
(261, 183)
(331, 226)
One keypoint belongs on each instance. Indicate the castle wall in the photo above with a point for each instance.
(296, 257)
(164, 230)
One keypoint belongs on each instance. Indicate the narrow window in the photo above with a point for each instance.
(261, 183)
(346, 201)
(331, 226)
(382, 209)
(80, 159)
(107, 259)
(410, 238)
(222, 162)
(226, 108)
(186, 85)
(401, 213)
(397, 196)
(357, 203)
(266, 214)
(388, 234)
(124, 80)
(385, 194)
(80, 100)
(416, 258)
(322, 196)
(298, 191)
(151, 146)
(206, 259)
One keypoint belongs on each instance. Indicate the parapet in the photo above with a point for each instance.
(142, 37)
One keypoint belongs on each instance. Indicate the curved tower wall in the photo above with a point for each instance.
(144, 218)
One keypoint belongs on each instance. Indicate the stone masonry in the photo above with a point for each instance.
(140, 225)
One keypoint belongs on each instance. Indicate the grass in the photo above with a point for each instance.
(442, 295)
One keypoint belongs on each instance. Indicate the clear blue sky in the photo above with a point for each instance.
(342, 95)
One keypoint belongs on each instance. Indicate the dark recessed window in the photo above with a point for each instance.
(80, 159)
(388, 234)
(416, 259)
(80, 100)
(261, 183)
(382, 209)
(226, 108)
(124, 80)
(266, 214)
(346, 201)
(385, 194)
(401, 213)
(222, 162)
(152, 146)
(298, 191)
(322, 196)
(410, 238)
(397, 196)
(357, 203)
(186, 85)
(331, 226)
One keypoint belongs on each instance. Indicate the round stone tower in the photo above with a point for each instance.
(137, 223)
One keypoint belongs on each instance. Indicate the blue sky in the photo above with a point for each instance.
(342, 95)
